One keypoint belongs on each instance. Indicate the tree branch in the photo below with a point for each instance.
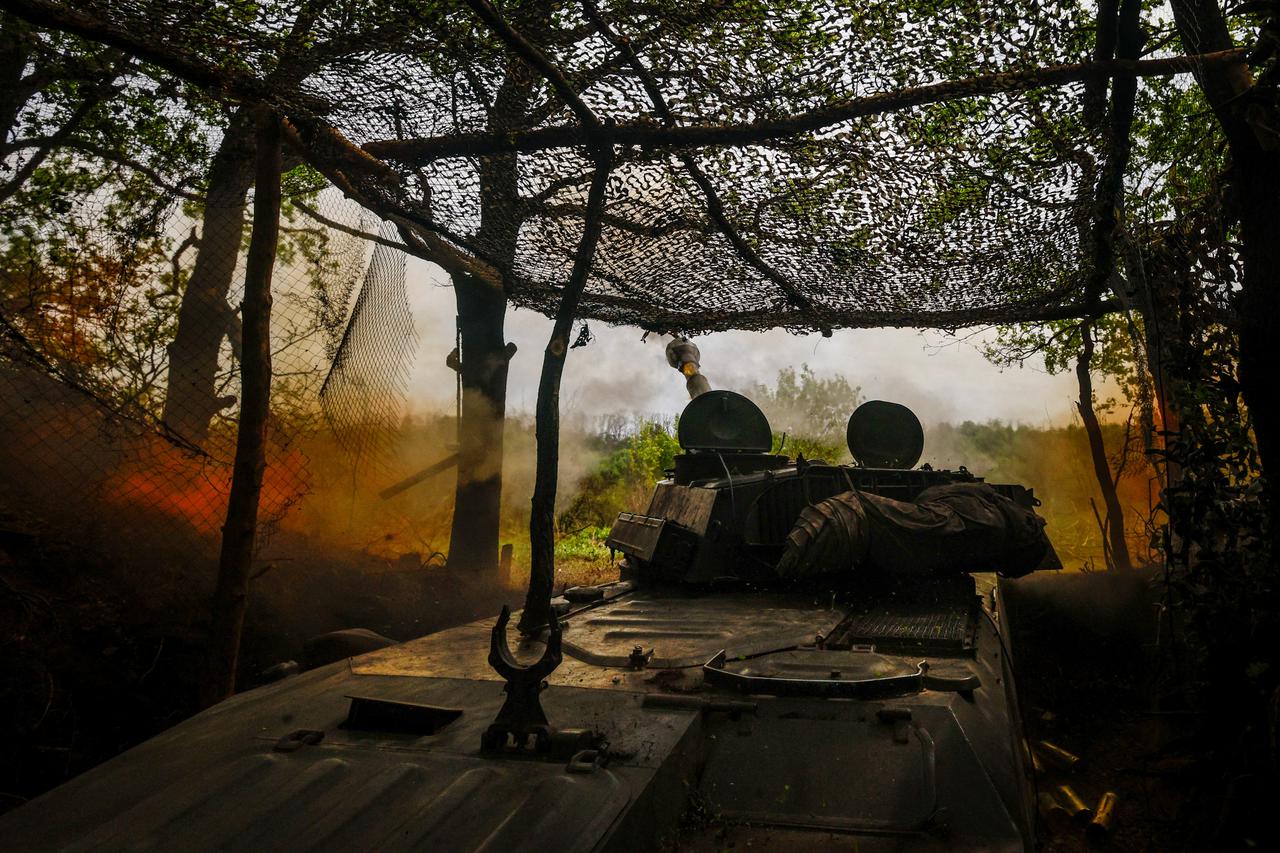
(1126, 27)
(645, 313)
(537, 608)
(613, 220)
(353, 171)
(647, 133)
(90, 103)
(119, 159)
(217, 80)
(527, 51)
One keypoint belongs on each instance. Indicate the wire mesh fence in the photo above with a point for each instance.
(95, 434)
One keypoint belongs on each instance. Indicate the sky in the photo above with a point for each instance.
(942, 377)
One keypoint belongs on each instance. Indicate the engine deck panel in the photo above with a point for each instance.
(916, 769)
(941, 618)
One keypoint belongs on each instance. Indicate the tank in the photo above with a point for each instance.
(703, 701)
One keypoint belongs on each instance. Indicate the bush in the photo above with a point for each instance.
(585, 544)
(623, 480)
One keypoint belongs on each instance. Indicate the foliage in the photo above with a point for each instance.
(815, 408)
(104, 320)
(622, 480)
(823, 449)
(96, 150)
(586, 544)
(104, 163)
(811, 410)
(1054, 462)
(97, 145)
(1057, 344)
(1219, 542)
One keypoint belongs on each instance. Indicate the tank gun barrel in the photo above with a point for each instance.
(683, 355)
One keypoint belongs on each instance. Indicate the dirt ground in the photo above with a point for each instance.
(1096, 678)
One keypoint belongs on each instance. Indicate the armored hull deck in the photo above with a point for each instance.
(788, 719)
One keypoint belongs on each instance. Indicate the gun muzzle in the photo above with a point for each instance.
(683, 355)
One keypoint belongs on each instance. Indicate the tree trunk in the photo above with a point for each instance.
(1254, 177)
(482, 308)
(191, 400)
(1118, 546)
(16, 43)
(473, 540)
(239, 532)
(542, 535)
(1120, 33)
(1260, 301)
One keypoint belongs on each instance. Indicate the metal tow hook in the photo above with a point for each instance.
(521, 716)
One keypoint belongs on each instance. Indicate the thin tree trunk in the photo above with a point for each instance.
(1118, 547)
(239, 532)
(1124, 31)
(191, 400)
(542, 538)
(1120, 33)
(204, 317)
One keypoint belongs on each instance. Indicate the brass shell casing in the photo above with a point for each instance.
(1100, 826)
(1057, 756)
(1075, 806)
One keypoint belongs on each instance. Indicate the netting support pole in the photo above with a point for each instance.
(231, 596)
(542, 538)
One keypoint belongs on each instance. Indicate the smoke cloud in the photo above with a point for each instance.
(943, 378)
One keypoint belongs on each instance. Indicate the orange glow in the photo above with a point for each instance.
(165, 480)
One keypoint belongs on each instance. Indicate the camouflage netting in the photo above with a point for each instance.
(805, 164)
(759, 179)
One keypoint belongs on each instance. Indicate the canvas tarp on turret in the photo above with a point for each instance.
(962, 527)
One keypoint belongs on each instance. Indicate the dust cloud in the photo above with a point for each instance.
(338, 555)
